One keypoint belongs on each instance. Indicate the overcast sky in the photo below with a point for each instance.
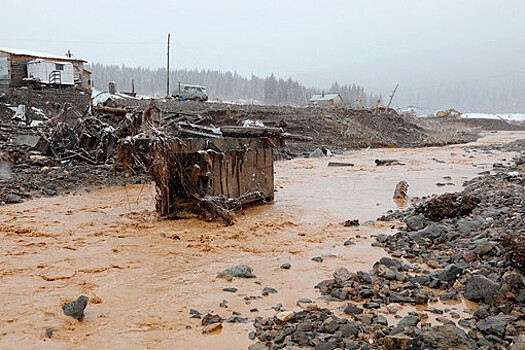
(419, 43)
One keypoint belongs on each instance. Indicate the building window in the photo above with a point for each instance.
(59, 66)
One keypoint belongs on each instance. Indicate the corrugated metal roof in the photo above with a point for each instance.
(37, 54)
(325, 97)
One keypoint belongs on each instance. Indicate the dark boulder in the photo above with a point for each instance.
(76, 308)
(442, 337)
(479, 287)
(495, 324)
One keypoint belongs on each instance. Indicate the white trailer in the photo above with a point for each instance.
(51, 73)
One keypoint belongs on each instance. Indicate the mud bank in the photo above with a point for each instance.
(142, 281)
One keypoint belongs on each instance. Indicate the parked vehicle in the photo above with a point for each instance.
(191, 92)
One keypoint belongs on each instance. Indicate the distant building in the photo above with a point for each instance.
(326, 100)
(17, 65)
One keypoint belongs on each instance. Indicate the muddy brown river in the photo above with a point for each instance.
(108, 245)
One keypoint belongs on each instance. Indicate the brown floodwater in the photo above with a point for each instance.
(107, 244)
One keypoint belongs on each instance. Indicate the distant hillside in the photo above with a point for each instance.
(220, 85)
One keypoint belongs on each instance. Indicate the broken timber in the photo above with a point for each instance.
(211, 171)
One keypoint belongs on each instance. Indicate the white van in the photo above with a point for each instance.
(191, 92)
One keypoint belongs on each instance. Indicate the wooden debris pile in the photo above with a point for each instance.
(211, 173)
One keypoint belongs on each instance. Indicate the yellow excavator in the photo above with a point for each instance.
(449, 113)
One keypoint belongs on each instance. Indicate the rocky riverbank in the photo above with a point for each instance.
(467, 245)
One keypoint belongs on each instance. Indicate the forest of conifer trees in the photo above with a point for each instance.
(220, 85)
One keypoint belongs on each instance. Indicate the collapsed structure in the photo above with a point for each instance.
(205, 170)
(197, 167)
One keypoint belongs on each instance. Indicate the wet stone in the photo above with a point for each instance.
(480, 288)
(396, 342)
(210, 318)
(380, 319)
(416, 222)
(398, 298)
(349, 330)
(242, 271)
(13, 199)
(342, 274)
(452, 295)
(257, 346)
(326, 346)
(352, 309)
(409, 321)
(348, 223)
(237, 319)
(268, 290)
(450, 273)
(371, 305)
(495, 324)
(348, 242)
(389, 262)
(76, 308)
(49, 332)
(442, 337)
(481, 313)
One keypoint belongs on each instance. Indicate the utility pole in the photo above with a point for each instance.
(359, 98)
(391, 97)
(168, 70)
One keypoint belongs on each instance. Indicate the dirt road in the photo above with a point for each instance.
(109, 245)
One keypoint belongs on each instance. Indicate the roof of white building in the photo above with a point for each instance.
(20, 52)
(325, 97)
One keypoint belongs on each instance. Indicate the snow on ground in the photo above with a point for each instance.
(504, 116)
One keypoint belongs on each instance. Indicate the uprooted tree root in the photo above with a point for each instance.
(177, 187)
(448, 205)
(514, 244)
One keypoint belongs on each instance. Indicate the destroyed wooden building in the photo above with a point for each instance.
(207, 170)
(17, 67)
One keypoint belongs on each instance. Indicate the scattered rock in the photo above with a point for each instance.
(209, 319)
(258, 346)
(268, 290)
(495, 324)
(242, 271)
(342, 274)
(387, 162)
(339, 164)
(450, 273)
(285, 316)
(230, 289)
(442, 337)
(348, 242)
(349, 330)
(352, 309)
(317, 259)
(286, 266)
(416, 222)
(396, 342)
(13, 199)
(49, 332)
(211, 328)
(76, 308)
(348, 223)
(480, 288)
